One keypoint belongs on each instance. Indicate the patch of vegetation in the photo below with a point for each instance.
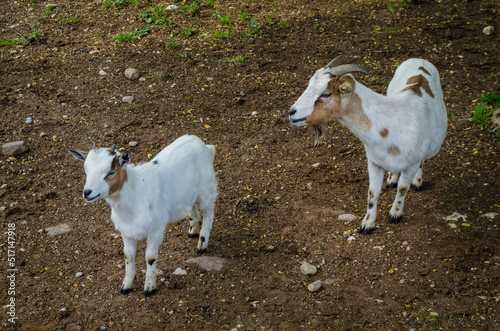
(11, 42)
(429, 318)
(49, 10)
(31, 1)
(34, 34)
(225, 19)
(173, 43)
(483, 112)
(156, 15)
(220, 34)
(243, 17)
(71, 20)
(237, 60)
(396, 5)
(253, 28)
(131, 35)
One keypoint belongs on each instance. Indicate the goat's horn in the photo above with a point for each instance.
(336, 61)
(347, 69)
(113, 148)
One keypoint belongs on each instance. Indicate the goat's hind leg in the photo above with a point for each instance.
(416, 183)
(206, 227)
(405, 179)
(129, 248)
(194, 222)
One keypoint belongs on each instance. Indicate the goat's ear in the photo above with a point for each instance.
(124, 159)
(345, 88)
(77, 154)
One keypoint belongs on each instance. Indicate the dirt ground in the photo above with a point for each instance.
(275, 209)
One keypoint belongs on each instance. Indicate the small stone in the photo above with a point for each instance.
(132, 73)
(208, 263)
(308, 269)
(315, 287)
(51, 5)
(455, 217)
(102, 73)
(172, 7)
(488, 30)
(180, 271)
(58, 229)
(79, 274)
(351, 238)
(452, 225)
(255, 113)
(43, 134)
(14, 148)
(132, 143)
(128, 98)
(315, 165)
(29, 120)
(3, 186)
(103, 328)
(495, 117)
(347, 217)
(142, 79)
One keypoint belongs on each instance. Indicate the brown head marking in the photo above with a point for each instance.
(116, 181)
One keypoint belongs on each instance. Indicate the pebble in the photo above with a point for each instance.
(347, 217)
(58, 229)
(351, 238)
(315, 287)
(308, 269)
(488, 30)
(79, 274)
(102, 73)
(172, 7)
(128, 98)
(14, 148)
(180, 271)
(455, 216)
(103, 328)
(132, 143)
(452, 225)
(132, 73)
(495, 117)
(43, 134)
(255, 113)
(29, 120)
(53, 5)
(208, 263)
(142, 79)
(315, 165)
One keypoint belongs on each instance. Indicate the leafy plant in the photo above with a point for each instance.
(483, 112)
(254, 27)
(429, 318)
(225, 20)
(219, 34)
(243, 17)
(131, 35)
(11, 42)
(71, 20)
(156, 15)
(173, 43)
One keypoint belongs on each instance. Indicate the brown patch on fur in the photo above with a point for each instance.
(370, 194)
(393, 150)
(403, 190)
(415, 83)
(116, 182)
(338, 105)
(424, 70)
(384, 133)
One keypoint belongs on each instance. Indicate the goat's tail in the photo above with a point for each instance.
(211, 148)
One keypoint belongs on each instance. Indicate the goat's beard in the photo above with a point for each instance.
(319, 134)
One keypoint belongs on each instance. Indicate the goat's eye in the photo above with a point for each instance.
(325, 95)
(110, 174)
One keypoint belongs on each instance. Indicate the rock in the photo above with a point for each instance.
(208, 263)
(128, 98)
(351, 238)
(79, 274)
(142, 79)
(103, 328)
(102, 73)
(43, 134)
(132, 143)
(455, 216)
(347, 217)
(14, 148)
(488, 30)
(51, 5)
(132, 73)
(308, 269)
(495, 117)
(315, 287)
(491, 215)
(29, 120)
(172, 7)
(315, 165)
(58, 229)
(180, 271)
(452, 225)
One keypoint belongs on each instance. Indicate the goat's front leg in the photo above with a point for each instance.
(194, 222)
(392, 180)
(416, 183)
(404, 183)
(208, 218)
(129, 248)
(154, 242)
(376, 176)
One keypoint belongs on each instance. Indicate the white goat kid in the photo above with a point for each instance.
(399, 130)
(144, 198)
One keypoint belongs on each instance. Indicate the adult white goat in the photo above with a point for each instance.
(399, 130)
(144, 198)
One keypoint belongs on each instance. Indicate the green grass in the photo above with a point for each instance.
(237, 60)
(253, 28)
(483, 112)
(429, 318)
(131, 35)
(243, 17)
(220, 34)
(225, 20)
(173, 43)
(156, 15)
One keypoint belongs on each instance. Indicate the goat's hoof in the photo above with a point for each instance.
(149, 293)
(193, 235)
(416, 188)
(392, 185)
(365, 231)
(126, 291)
(201, 251)
(395, 219)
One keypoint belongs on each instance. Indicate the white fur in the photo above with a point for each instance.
(415, 124)
(163, 190)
